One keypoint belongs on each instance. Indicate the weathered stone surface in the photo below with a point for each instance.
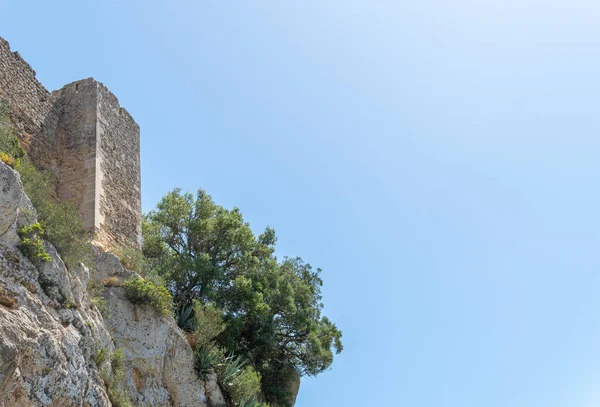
(99, 143)
(35, 112)
(84, 137)
(46, 352)
(160, 362)
(11, 195)
(50, 332)
(15, 207)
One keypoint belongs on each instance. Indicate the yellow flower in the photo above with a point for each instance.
(5, 158)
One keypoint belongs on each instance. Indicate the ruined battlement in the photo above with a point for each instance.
(84, 137)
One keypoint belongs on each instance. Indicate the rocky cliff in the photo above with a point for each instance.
(54, 340)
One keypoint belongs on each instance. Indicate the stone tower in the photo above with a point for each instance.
(82, 136)
(99, 149)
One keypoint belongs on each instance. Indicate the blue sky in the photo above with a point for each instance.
(438, 159)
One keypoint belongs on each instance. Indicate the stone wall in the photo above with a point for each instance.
(76, 142)
(84, 137)
(99, 146)
(119, 146)
(36, 113)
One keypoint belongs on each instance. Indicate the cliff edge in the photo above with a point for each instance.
(56, 347)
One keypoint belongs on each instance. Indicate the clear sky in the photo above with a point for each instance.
(438, 159)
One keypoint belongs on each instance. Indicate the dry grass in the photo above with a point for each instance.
(7, 298)
(32, 288)
(113, 281)
(191, 340)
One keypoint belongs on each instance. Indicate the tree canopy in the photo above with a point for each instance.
(272, 309)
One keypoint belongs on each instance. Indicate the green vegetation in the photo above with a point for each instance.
(95, 291)
(186, 319)
(60, 221)
(239, 381)
(206, 360)
(32, 245)
(113, 375)
(10, 150)
(212, 323)
(252, 403)
(8, 160)
(245, 385)
(247, 301)
(131, 258)
(101, 356)
(144, 291)
(251, 318)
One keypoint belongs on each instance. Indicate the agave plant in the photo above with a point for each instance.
(186, 320)
(206, 359)
(230, 368)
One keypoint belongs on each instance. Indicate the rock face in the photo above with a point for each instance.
(51, 332)
(15, 207)
(46, 349)
(160, 361)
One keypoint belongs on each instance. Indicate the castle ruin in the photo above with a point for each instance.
(86, 140)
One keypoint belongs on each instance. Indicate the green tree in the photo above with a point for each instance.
(272, 310)
(200, 247)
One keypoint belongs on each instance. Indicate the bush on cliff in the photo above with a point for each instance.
(271, 309)
(113, 375)
(144, 291)
(130, 257)
(10, 149)
(60, 221)
(32, 245)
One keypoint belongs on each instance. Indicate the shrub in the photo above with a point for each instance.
(131, 258)
(114, 377)
(9, 143)
(209, 323)
(61, 220)
(6, 159)
(119, 398)
(141, 291)
(206, 358)
(186, 320)
(101, 356)
(241, 383)
(95, 291)
(32, 245)
(68, 304)
(117, 362)
(246, 385)
(229, 369)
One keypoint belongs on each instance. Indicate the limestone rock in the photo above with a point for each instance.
(46, 352)
(159, 361)
(15, 207)
(51, 332)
